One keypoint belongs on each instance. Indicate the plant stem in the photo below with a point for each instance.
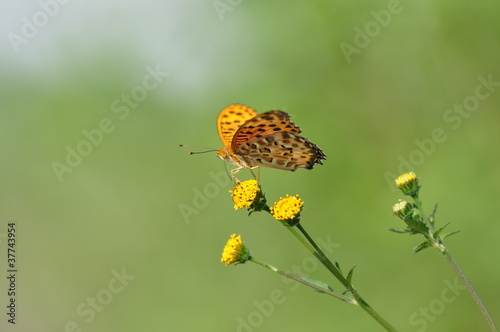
(336, 272)
(305, 282)
(321, 256)
(438, 244)
(471, 290)
(420, 207)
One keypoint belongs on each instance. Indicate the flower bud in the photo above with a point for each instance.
(408, 183)
(403, 209)
(235, 251)
(288, 209)
(247, 194)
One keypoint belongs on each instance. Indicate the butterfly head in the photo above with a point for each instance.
(222, 153)
(225, 154)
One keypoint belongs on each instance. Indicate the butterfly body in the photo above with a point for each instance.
(269, 139)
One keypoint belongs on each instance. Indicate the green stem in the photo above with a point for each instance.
(305, 282)
(438, 244)
(420, 207)
(320, 255)
(316, 251)
(471, 289)
(336, 272)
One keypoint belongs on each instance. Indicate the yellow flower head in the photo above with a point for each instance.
(288, 209)
(403, 209)
(244, 194)
(408, 183)
(235, 251)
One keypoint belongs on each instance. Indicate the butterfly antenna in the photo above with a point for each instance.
(198, 147)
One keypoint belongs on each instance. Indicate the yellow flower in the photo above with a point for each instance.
(408, 183)
(235, 251)
(288, 209)
(244, 194)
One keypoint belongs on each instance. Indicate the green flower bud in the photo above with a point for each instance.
(403, 209)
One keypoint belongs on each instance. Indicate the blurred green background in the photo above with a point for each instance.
(380, 86)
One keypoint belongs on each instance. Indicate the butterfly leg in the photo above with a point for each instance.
(258, 173)
(233, 174)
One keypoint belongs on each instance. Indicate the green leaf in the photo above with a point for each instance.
(337, 265)
(346, 292)
(432, 216)
(350, 274)
(417, 226)
(436, 233)
(400, 230)
(318, 283)
(449, 234)
(421, 246)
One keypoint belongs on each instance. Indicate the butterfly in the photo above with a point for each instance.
(269, 139)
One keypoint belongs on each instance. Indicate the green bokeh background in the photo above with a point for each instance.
(120, 208)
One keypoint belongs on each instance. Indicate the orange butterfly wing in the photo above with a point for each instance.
(282, 150)
(230, 119)
(262, 125)
(269, 139)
